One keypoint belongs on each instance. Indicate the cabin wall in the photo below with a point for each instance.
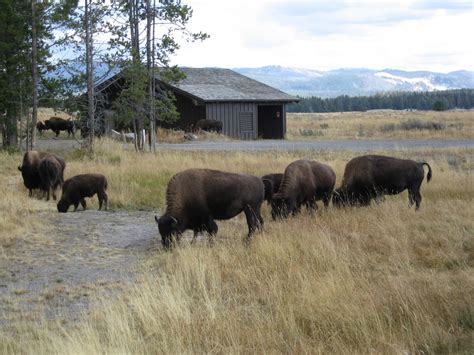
(239, 119)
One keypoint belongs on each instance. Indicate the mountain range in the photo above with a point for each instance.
(356, 81)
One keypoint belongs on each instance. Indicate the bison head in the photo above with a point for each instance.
(63, 205)
(281, 206)
(167, 226)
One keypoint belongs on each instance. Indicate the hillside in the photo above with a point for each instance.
(356, 81)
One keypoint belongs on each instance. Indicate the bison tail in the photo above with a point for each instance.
(430, 174)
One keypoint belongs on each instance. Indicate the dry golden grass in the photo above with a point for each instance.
(383, 279)
(371, 124)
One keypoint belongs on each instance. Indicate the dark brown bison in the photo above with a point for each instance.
(51, 172)
(208, 126)
(304, 182)
(30, 168)
(197, 197)
(373, 176)
(58, 124)
(78, 187)
(272, 185)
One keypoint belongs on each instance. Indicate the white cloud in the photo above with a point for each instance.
(411, 35)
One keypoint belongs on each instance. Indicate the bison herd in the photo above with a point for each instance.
(45, 171)
(196, 198)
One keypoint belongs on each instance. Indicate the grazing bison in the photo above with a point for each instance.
(373, 176)
(51, 174)
(30, 168)
(208, 125)
(58, 124)
(272, 185)
(197, 197)
(78, 187)
(304, 182)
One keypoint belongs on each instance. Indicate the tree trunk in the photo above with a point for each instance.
(34, 66)
(90, 74)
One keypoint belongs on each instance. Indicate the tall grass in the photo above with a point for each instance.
(382, 279)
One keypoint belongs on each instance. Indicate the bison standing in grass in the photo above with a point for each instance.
(304, 182)
(30, 168)
(197, 197)
(58, 124)
(51, 172)
(208, 125)
(371, 177)
(78, 187)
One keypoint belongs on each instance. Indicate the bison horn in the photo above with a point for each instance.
(19, 167)
(175, 221)
(156, 219)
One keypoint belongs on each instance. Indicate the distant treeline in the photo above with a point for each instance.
(431, 100)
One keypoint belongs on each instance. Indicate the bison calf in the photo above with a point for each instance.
(78, 187)
(197, 197)
(371, 177)
(304, 182)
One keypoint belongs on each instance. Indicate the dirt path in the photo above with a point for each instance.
(88, 254)
(284, 145)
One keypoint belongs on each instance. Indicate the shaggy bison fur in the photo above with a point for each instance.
(30, 168)
(272, 185)
(58, 124)
(373, 176)
(78, 187)
(304, 182)
(197, 197)
(51, 171)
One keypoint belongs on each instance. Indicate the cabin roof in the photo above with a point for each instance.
(217, 84)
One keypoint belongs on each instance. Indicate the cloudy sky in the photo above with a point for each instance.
(323, 35)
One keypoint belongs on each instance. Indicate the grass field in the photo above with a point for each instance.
(383, 279)
(382, 124)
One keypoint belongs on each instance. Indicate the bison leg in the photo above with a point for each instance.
(30, 192)
(212, 229)
(76, 204)
(254, 220)
(102, 198)
(57, 133)
(83, 203)
(312, 206)
(414, 196)
(326, 199)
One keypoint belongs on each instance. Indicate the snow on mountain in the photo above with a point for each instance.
(419, 83)
(356, 81)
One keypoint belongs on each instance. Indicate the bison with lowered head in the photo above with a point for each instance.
(78, 187)
(51, 172)
(304, 182)
(197, 197)
(58, 124)
(272, 185)
(373, 176)
(30, 168)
